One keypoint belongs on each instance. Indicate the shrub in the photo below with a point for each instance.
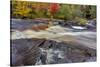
(81, 21)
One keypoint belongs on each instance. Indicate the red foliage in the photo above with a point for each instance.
(54, 7)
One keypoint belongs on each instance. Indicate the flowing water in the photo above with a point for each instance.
(59, 52)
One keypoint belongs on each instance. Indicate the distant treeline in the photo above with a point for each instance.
(31, 10)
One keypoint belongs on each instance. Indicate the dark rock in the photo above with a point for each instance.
(30, 51)
(46, 44)
(91, 25)
(25, 49)
(43, 57)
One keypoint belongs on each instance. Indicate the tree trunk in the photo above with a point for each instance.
(51, 21)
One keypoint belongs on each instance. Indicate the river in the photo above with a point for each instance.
(21, 31)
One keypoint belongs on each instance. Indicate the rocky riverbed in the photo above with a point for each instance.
(53, 45)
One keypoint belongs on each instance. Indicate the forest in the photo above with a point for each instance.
(32, 10)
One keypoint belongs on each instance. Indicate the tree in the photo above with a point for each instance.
(31, 10)
(20, 9)
(53, 9)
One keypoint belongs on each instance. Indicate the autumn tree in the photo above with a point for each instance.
(31, 10)
(53, 9)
